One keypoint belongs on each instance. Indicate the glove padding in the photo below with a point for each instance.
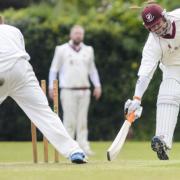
(138, 112)
(133, 106)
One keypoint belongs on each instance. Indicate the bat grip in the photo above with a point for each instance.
(130, 117)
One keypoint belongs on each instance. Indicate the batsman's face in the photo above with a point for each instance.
(77, 35)
(159, 28)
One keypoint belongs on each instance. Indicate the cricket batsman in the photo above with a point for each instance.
(161, 48)
(18, 81)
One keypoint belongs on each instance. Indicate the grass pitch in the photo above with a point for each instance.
(135, 162)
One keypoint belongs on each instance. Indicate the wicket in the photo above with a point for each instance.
(33, 127)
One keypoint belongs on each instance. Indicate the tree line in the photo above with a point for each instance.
(117, 35)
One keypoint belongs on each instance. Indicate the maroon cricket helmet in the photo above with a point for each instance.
(151, 15)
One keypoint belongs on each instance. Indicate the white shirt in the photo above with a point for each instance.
(74, 67)
(160, 50)
(11, 47)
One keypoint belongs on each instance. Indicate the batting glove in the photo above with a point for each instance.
(138, 112)
(132, 105)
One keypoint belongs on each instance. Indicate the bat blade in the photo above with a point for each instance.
(118, 142)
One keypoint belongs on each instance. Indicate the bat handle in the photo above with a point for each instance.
(130, 117)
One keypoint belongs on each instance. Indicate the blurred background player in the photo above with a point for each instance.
(162, 46)
(18, 81)
(74, 61)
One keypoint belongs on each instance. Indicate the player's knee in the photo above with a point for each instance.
(167, 100)
(169, 92)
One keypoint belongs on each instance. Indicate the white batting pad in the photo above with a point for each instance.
(166, 121)
(167, 110)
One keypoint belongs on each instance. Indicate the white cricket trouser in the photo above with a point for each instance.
(167, 109)
(22, 85)
(75, 104)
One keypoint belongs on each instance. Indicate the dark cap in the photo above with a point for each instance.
(152, 14)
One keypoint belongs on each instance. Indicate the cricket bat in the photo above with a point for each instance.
(118, 142)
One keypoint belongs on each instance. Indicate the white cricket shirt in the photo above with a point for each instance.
(74, 67)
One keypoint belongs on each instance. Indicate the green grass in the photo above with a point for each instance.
(135, 162)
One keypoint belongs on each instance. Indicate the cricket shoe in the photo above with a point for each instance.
(159, 146)
(78, 158)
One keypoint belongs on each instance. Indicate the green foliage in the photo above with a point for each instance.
(117, 35)
(22, 4)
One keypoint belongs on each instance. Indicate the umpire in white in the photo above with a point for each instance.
(74, 61)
